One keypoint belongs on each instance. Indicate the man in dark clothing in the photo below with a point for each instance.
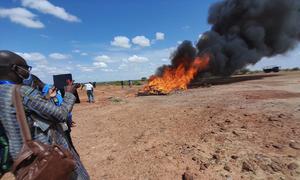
(130, 83)
(13, 70)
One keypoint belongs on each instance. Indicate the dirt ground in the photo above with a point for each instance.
(242, 130)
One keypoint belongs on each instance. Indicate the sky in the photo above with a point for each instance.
(106, 40)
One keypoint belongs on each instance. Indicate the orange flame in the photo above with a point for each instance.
(175, 79)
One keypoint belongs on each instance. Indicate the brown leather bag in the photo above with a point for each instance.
(38, 161)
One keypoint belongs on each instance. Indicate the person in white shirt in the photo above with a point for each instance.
(90, 92)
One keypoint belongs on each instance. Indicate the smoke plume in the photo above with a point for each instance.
(185, 54)
(242, 33)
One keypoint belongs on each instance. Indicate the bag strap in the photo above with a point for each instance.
(20, 114)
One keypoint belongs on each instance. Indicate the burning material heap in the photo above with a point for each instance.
(242, 33)
(174, 78)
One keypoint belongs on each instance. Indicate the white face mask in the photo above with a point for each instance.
(28, 81)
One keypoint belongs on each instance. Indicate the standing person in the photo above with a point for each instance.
(90, 92)
(63, 129)
(14, 70)
(122, 84)
(72, 82)
(130, 83)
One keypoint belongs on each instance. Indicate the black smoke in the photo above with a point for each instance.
(243, 32)
(185, 54)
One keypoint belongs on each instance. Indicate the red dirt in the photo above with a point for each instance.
(244, 130)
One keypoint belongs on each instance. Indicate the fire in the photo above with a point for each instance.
(175, 79)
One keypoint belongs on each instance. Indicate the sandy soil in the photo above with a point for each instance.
(243, 130)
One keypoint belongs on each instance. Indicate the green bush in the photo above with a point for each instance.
(144, 79)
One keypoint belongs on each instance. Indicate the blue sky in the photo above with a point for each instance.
(99, 40)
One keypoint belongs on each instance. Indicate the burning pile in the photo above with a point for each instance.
(174, 78)
(242, 33)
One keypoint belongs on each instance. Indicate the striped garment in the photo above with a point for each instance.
(42, 115)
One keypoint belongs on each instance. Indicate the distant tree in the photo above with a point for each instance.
(144, 79)
(137, 83)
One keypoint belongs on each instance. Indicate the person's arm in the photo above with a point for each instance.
(34, 101)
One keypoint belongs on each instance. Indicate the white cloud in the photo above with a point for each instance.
(121, 41)
(187, 27)
(179, 42)
(123, 66)
(59, 56)
(69, 68)
(141, 41)
(21, 16)
(100, 61)
(79, 51)
(160, 36)
(85, 68)
(103, 58)
(124, 62)
(74, 42)
(159, 54)
(50, 70)
(108, 70)
(43, 68)
(34, 57)
(100, 64)
(44, 36)
(46, 7)
(137, 59)
(76, 51)
(91, 68)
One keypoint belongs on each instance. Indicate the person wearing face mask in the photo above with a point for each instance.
(13, 71)
(63, 130)
(51, 93)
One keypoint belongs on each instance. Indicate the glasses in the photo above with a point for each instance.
(23, 71)
(22, 67)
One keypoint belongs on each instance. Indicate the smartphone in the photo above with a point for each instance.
(62, 80)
